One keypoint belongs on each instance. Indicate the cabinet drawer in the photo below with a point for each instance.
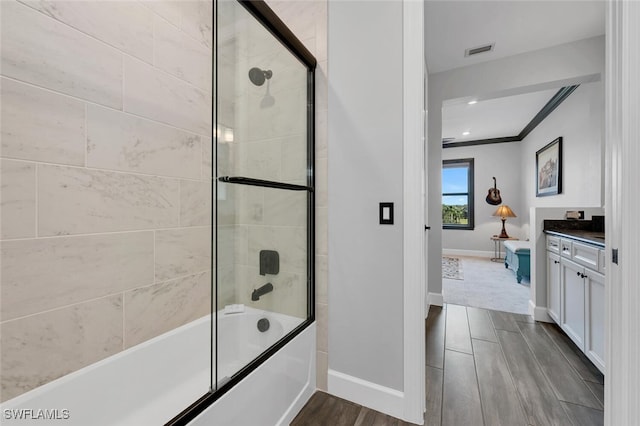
(553, 244)
(566, 247)
(585, 255)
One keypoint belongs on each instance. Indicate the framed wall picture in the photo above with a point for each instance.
(549, 169)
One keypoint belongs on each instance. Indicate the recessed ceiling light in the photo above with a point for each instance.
(472, 102)
(466, 133)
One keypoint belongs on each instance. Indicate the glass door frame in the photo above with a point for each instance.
(267, 17)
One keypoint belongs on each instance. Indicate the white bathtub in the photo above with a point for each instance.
(152, 382)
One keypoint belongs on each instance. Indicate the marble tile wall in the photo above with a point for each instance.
(106, 179)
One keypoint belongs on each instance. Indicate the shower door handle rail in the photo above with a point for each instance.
(263, 183)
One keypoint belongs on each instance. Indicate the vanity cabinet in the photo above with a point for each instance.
(576, 293)
(572, 311)
(553, 283)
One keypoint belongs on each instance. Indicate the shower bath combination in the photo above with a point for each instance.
(191, 247)
(258, 77)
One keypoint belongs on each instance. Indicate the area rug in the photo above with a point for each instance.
(452, 268)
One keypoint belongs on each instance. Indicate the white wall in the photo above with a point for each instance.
(499, 160)
(580, 122)
(571, 63)
(365, 168)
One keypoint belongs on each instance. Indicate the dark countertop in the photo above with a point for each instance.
(590, 237)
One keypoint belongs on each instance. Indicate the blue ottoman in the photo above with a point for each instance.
(517, 256)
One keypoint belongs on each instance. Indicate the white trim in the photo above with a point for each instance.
(539, 313)
(622, 324)
(473, 253)
(381, 398)
(413, 400)
(435, 299)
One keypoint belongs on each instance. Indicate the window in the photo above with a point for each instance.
(457, 194)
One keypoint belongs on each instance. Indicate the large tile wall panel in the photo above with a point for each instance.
(76, 201)
(180, 55)
(40, 125)
(153, 310)
(197, 17)
(126, 25)
(294, 158)
(48, 273)
(17, 199)
(182, 252)
(120, 141)
(47, 53)
(90, 179)
(151, 93)
(43, 347)
(195, 203)
(285, 208)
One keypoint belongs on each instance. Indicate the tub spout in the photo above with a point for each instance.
(261, 291)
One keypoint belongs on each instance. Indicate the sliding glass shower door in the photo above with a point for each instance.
(264, 187)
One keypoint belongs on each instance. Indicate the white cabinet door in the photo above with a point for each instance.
(594, 318)
(553, 286)
(573, 292)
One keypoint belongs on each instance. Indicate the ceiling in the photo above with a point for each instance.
(492, 118)
(515, 26)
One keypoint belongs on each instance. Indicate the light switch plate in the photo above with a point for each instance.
(386, 213)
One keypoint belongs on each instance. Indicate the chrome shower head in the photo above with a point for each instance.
(258, 76)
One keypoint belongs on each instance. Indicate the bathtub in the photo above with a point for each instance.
(152, 382)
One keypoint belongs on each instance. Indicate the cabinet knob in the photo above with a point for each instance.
(584, 276)
(556, 262)
(578, 273)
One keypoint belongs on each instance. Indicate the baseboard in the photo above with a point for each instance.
(473, 253)
(539, 313)
(434, 299)
(368, 394)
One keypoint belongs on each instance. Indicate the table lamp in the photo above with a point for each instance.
(504, 212)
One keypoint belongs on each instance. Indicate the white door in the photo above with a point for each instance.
(595, 318)
(553, 286)
(572, 318)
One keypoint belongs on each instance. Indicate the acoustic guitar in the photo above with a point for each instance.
(493, 197)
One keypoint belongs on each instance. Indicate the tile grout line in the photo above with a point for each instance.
(567, 359)
(101, 169)
(120, 50)
(37, 202)
(513, 381)
(583, 380)
(444, 360)
(544, 373)
(93, 299)
(90, 102)
(475, 366)
(94, 234)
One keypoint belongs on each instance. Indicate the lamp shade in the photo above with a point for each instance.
(504, 211)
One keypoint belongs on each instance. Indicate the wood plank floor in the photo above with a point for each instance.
(506, 369)
(324, 410)
(488, 368)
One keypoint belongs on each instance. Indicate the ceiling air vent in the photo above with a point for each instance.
(477, 50)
